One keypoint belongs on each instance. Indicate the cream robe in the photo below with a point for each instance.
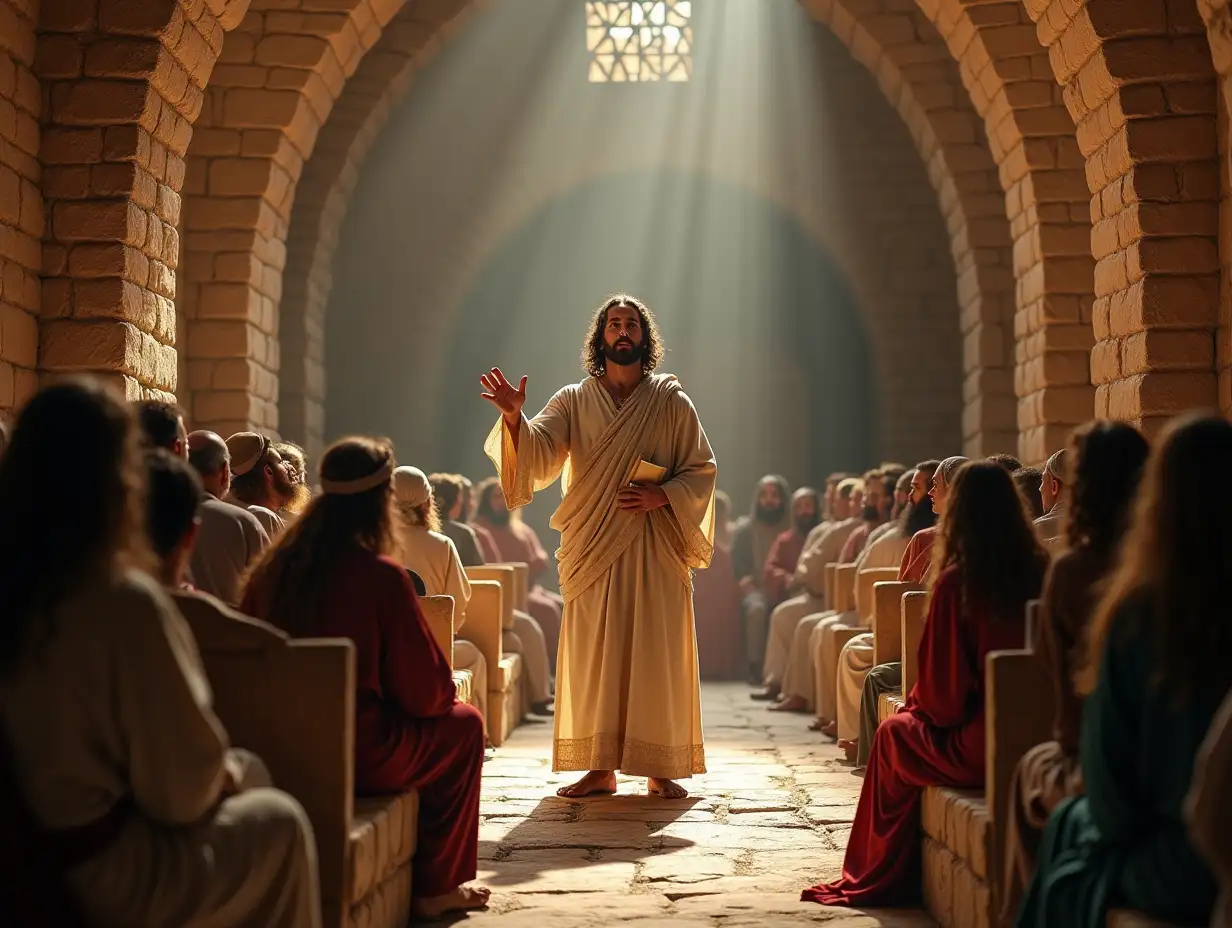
(116, 703)
(627, 694)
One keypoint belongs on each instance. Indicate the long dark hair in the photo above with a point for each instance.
(291, 577)
(1177, 559)
(68, 513)
(593, 361)
(1105, 462)
(986, 534)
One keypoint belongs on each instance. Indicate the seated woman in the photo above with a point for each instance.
(123, 771)
(330, 575)
(1106, 460)
(1208, 808)
(431, 555)
(1156, 674)
(988, 565)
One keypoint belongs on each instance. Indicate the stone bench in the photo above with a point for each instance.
(486, 618)
(292, 702)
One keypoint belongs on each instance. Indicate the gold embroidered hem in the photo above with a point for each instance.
(631, 757)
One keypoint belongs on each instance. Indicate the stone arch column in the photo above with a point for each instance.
(1006, 73)
(122, 84)
(275, 86)
(894, 40)
(1218, 17)
(1139, 82)
(21, 205)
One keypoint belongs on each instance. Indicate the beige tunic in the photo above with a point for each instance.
(434, 557)
(116, 705)
(627, 686)
(229, 540)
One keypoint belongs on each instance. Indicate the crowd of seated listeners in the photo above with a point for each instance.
(128, 804)
(1127, 552)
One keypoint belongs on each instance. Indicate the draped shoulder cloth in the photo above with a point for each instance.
(594, 448)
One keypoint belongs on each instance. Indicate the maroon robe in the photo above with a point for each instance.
(937, 739)
(487, 544)
(780, 569)
(515, 543)
(716, 607)
(410, 730)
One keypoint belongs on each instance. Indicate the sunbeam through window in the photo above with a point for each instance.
(639, 40)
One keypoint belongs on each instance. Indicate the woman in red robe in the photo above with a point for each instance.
(988, 566)
(329, 575)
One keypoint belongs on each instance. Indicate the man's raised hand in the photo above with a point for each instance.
(502, 394)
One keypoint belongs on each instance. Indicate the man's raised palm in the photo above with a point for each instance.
(502, 394)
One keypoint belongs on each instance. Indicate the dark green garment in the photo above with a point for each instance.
(1124, 844)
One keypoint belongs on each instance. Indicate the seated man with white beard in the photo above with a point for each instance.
(433, 556)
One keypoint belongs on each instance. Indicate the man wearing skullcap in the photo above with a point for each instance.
(259, 479)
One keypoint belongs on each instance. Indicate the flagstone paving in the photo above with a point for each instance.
(771, 817)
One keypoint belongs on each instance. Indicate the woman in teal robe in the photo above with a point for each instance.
(1162, 635)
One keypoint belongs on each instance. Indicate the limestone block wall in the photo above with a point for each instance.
(1092, 277)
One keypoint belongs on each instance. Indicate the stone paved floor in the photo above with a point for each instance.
(770, 818)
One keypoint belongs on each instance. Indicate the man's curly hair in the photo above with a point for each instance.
(593, 360)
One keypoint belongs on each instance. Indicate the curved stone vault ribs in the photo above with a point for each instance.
(1100, 118)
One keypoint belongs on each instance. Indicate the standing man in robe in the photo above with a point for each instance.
(627, 694)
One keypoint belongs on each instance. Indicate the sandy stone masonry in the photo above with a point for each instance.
(770, 818)
(1102, 119)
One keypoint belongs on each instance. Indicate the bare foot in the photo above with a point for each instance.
(595, 783)
(830, 730)
(850, 748)
(790, 704)
(668, 789)
(771, 692)
(818, 724)
(460, 900)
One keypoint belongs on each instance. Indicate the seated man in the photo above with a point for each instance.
(751, 542)
(230, 537)
(162, 426)
(447, 490)
(1051, 524)
(518, 544)
(147, 820)
(856, 659)
(260, 480)
(798, 689)
(432, 554)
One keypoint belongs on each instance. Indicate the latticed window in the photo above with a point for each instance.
(639, 40)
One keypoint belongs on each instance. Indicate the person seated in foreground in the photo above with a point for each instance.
(856, 659)
(1106, 460)
(989, 564)
(331, 574)
(433, 557)
(1157, 671)
(140, 805)
(1208, 808)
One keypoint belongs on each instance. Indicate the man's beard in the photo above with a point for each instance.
(917, 516)
(770, 515)
(870, 514)
(805, 524)
(497, 518)
(282, 485)
(624, 354)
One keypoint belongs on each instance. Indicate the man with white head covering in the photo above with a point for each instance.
(230, 538)
(435, 558)
(1051, 524)
(259, 479)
